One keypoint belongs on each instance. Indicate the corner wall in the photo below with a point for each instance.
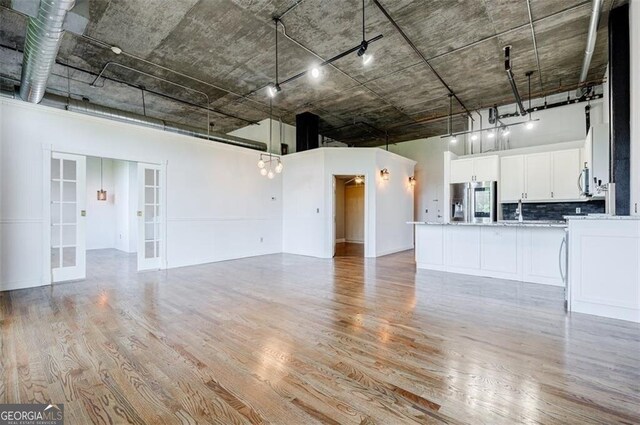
(309, 198)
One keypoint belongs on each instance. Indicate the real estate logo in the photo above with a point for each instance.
(31, 414)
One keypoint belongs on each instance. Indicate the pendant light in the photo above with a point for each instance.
(268, 163)
(102, 194)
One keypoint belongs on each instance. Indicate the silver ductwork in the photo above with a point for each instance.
(44, 34)
(88, 108)
(596, 7)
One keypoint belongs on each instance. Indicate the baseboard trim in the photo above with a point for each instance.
(341, 240)
(393, 251)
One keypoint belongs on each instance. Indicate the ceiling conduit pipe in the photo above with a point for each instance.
(88, 108)
(596, 7)
(44, 34)
(512, 81)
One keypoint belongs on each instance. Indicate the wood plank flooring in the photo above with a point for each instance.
(349, 249)
(285, 339)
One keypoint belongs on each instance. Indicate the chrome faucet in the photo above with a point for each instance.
(518, 212)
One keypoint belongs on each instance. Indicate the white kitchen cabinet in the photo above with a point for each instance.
(517, 252)
(565, 172)
(484, 168)
(511, 178)
(461, 171)
(604, 267)
(537, 168)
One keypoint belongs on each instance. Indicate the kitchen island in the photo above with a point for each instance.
(530, 251)
(604, 266)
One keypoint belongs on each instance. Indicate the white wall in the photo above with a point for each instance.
(308, 205)
(394, 203)
(260, 133)
(222, 216)
(429, 189)
(101, 215)
(634, 40)
(126, 201)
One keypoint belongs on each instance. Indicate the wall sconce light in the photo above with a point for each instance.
(384, 173)
(412, 181)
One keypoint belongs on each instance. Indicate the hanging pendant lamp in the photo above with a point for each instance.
(102, 194)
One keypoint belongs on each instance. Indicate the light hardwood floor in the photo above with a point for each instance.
(286, 339)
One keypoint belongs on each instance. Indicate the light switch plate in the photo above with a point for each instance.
(578, 210)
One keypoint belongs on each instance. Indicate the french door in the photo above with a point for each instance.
(150, 222)
(68, 204)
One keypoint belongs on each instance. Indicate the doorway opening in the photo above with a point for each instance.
(111, 221)
(349, 217)
(106, 216)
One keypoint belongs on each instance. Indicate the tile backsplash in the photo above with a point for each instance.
(552, 210)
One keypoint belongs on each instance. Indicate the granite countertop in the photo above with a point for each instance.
(601, 217)
(503, 223)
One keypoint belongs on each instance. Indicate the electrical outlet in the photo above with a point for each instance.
(578, 210)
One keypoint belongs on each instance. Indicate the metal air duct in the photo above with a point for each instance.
(41, 45)
(596, 7)
(88, 108)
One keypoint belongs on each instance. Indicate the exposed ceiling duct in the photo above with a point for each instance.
(512, 81)
(88, 108)
(596, 7)
(44, 34)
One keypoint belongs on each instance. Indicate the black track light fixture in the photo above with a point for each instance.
(363, 48)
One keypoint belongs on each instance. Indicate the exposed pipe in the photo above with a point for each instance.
(512, 81)
(596, 7)
(88, 108)
(535, 44)
(419, 53)
(44, 34)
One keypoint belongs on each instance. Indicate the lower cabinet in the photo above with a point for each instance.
(528, 254)
(604, 268)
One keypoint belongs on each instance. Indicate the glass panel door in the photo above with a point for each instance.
(68, 198)
(150, 240)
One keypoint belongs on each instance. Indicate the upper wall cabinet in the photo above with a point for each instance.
(511, 186)
(546, 176)
(484, 168)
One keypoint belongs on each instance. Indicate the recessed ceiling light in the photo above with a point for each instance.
(116, 50)
(529, 125)
(315, 72)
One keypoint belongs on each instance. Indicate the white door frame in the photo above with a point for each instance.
(47, 150)
(78, 271)
(159, 261)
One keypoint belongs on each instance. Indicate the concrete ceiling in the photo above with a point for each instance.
(224, 49)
